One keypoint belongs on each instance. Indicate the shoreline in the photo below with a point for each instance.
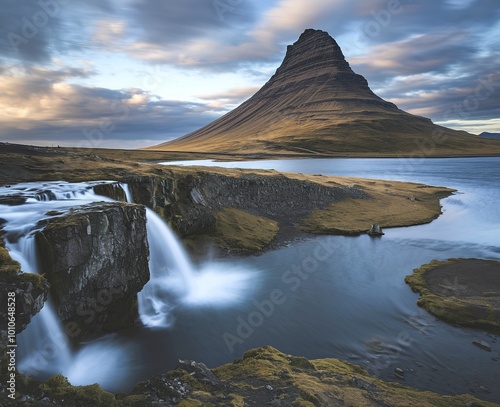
(236, 200)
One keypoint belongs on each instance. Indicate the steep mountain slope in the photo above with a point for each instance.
(315, 104)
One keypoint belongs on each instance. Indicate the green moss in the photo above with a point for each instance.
(300, 402)
(135, 400)
(301, 363)
(241, 231)
(8, 265)
(190, 403)
(111, 191)
(58, 387)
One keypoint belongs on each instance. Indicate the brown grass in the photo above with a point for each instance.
(392, 204)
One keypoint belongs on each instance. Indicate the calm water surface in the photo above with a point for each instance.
(355, 305)
(345, 297)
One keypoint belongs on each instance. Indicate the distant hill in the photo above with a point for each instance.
(316, 105)
(490, 135)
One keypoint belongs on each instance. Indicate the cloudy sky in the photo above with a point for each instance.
(132, 73)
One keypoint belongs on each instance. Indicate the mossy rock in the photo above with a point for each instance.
(10, 271)
(8, 265)
(59, 388)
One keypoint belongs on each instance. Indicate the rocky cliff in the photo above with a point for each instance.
(96, 260)
(196, 205)
(316, 105)
(30, 290)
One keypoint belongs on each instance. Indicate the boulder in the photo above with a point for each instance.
(375, 230)
(96, 260)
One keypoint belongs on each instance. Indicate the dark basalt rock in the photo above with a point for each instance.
(12, 200)
(96, 260)
(189, 203)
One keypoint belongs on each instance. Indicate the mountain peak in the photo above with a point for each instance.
(315, 50)
(316, 104)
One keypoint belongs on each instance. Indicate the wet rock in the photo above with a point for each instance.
(12, 200)
(161, 390)
(375, 230)
(473, 404)
(400, 374)
(96, 261)
(483, 345)
(200, 371)
(111, 190)
(361, 384)
(484, 389)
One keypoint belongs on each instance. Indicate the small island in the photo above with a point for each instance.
(464, 292)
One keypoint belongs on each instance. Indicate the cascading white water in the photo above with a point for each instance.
(171, 274)
(174, 280)
(126, 190)
(43, 347)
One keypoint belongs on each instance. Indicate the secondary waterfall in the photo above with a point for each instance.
(43, 348)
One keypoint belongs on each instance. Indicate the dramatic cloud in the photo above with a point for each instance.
(32, 31)
(69, 70)
(229, 98)
(41, 106)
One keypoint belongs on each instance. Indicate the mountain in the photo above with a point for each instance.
(489, 135)
(316, 105)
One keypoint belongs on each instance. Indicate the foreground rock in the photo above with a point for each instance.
(96, 260)
(465, 292)
(263, 377)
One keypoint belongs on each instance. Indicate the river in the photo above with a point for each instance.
(347, 298)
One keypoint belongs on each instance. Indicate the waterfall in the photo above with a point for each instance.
(53, 350)
(174, 280)
(126, 190)
(43, 348)
(171, 274)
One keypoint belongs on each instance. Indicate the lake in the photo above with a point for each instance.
(336, 296)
